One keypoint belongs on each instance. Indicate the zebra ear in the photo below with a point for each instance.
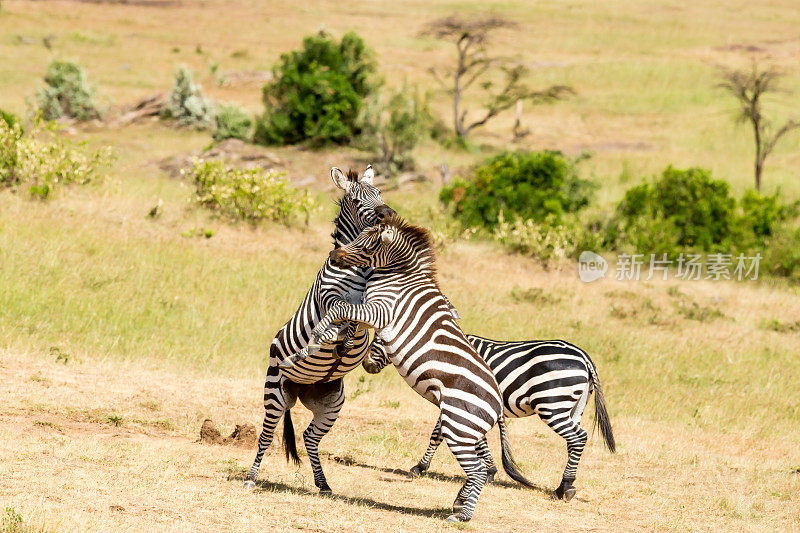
(339, 179)
(387, 235)
(369, 175)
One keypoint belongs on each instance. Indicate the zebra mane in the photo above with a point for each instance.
(420, 239)
(352, 175)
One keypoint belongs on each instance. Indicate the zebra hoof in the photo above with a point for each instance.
(453, 518)
(415, 471)
(249, 484)
(569, 494)
(490, 474)
(286, 363)
(325, 491)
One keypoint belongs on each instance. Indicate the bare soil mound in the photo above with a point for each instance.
(243, 436)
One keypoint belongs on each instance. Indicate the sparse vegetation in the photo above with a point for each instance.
(187, 104)
(318, 92)
(40, 161)
(252, 195)
(67, 93)
(233, 122)
(394, 129)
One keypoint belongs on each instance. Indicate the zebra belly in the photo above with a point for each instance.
(324, 365)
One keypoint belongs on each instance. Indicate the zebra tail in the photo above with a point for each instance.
(289, 441)
(509, 465)
(601, 418)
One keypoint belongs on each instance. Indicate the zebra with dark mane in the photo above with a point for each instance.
(549, 378)
(316, 377)
(404, 305)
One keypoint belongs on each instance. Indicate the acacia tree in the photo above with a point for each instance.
(475, 65)
(749, 87)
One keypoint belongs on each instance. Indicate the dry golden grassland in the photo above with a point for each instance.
(120, 334)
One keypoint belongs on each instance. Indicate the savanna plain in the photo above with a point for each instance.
(120, 333)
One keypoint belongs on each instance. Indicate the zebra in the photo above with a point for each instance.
(404, 305)
(550, 378)
(316, 378)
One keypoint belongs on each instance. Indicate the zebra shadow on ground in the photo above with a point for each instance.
(438, 476)
(278, 486)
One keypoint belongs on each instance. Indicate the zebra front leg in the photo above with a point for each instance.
(313, 347)
(276, 402)
(486, 457)
(425, 463)
(325, 401)
(377, 359)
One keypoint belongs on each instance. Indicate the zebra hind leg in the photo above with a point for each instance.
(276, 402)
(425, 463)
(486, 457)
(466, 454)
(576, 437)
(325, 401)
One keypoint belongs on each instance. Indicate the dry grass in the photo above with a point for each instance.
(61, 459)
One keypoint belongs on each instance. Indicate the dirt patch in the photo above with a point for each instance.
(243, 436)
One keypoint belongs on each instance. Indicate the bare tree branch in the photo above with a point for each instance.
(473, 64)
(749, 88)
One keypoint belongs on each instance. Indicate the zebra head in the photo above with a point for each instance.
(391, 242)
(361, 206)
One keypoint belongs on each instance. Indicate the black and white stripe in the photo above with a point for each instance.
(552, 379)
(412, 318)
(315, 378)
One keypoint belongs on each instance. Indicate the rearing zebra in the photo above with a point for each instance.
(412, 318)
(317, 379)
(552, 379)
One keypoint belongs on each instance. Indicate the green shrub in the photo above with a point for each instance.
(762, 215)
(252, 195)
(187, 103)
(318, 92)
(67, 94)
(394, 129)
(42, 161)
(546, 240)
(233, 122)
(781, 254)
(530, 185)
(9, 118)
(685, 209)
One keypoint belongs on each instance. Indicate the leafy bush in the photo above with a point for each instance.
(42, 161)
(781, 253)
(529, 185)
(318, 92)
(547, 240)
(67, 94)
(683, 208)
(762, 215)
(233, 122)
(187, 104)
(9, 118)
(393, 130)
(252, 195)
